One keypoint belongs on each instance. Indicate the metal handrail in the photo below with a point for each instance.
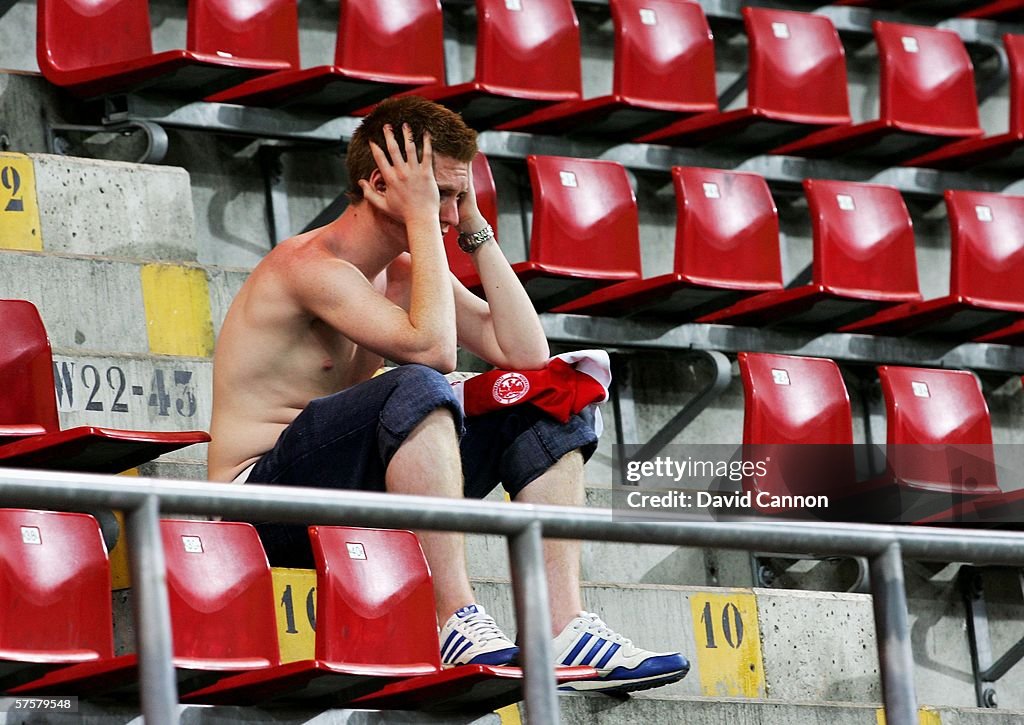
(524, 525)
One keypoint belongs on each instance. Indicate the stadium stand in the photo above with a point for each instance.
(790, 93)
(98, 51)
(761, 652)
(664, 70)
(863, 261)
(585, 230)
(727, 248)
(527, 57)
(997, 150)
(381, 49)
(926, 94)
(987, 263)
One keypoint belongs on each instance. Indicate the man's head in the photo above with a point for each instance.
(449, 135)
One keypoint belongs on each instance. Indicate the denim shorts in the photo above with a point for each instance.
(346, 441)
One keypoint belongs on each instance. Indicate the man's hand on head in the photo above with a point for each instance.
(470, 218)
(406, 188)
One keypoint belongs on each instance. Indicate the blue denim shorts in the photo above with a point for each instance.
(346, 441)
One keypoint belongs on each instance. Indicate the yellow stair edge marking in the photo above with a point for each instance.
(728, 638)
(177, 304)
(510, 715)
(295, 600)
(19, 209)
(925, 716)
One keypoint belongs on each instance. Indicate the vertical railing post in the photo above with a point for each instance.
(892, 630)
(530, 588)
(152, 614)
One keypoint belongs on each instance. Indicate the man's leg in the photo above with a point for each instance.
(560, 485)
(428, 464)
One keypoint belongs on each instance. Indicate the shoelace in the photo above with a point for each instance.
(483, 627)
(597, 626)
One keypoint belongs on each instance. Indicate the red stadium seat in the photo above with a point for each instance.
(985, 290)
(796, 85)
(53, 569)
(222, 614)
(927, 99)
(527, 57)
(664, 70)
(375, 624)
(864, 260)
(727, 248)
(460, 263)
(998, 10)
(94, 49)
(1012, 334)
(1004, 150)
(796, 407)
(28, 405)
(939, 435)
(585, 233)
(382, 48)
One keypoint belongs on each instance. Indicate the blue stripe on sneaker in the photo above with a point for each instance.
(453, 641)
(593, 651)
(607, 656)
(455, 655)
(580, 644)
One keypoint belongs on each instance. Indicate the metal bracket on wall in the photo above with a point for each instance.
(279, 223)
(60, 138)
(625, 404)
(986, 672)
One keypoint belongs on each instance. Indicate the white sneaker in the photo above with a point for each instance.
(472, 637)
(621, 667)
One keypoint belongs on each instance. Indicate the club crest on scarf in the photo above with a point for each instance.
(510, 387)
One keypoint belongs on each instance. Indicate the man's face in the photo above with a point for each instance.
(452, 184)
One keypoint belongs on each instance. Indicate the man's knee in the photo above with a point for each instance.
(419, 395)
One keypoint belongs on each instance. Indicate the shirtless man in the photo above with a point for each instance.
(296, 400)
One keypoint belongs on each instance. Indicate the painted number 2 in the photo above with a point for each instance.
(731, 623)
(10, 179)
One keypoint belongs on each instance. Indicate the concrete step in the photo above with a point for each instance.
(791, 645)
(72, 205)
(119, 305)
(575, 709)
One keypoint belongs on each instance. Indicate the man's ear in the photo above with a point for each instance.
(377, 181)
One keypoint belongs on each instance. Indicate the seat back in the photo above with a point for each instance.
(939, 434)
(927, 78)
(263, 29)
(1015, 53)
(797, 64)
(987, 246)
(584, 215)
(727, 228)
(26, 367)
(863, 239)
(55, 586)
(532, 44)
(460, 263)
(220, 593)
(793, 400)
(74, 34)
(796, 424)
(375, 598)
(382, 36)
(664, 52)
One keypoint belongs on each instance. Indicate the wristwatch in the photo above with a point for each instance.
(469, 243)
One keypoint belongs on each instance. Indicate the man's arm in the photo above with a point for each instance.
(505, 330)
